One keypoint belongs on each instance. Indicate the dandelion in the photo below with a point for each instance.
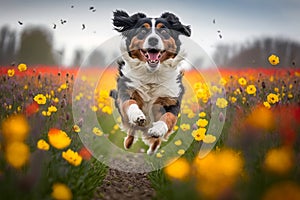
(178, 142)
(40, 99)
(279, 160)
(97, 131)
(61, 192)
(58, 138)
(11, 72)
(242, 81)
(251, 89)
(76, 128)
(179, 169)
(181, 151)
(209, 139)
(199, 134)
(272, 98)
(17, 154)
(15, 128)
(22, 67)
(43, 145)
(273, 59)
(185, 127)
(221, 103)
(72, 157)
(202, 123)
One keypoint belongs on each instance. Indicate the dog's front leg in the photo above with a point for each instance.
(164, 126)
(135, 115)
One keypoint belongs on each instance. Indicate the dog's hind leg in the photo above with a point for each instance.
(129, 139)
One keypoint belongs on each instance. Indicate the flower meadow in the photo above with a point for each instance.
(256, 157)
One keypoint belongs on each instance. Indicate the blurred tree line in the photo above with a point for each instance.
(257, 52)
(35, 46)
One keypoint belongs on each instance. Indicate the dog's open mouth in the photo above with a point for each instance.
(152, 56)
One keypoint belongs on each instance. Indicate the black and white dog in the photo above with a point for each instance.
(149, 85)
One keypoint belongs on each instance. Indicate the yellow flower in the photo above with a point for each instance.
(11, 72)
(94, 108)
(242, 81)
(202, 123)
(226, 166)
(64, 86)
(15, 128)
(97, 131)
(202, 114)
(199, 134)
(181, 151)
(273, 59)
(116, 127)
(107, 109)
(52, 109)
(251, 89)
(58, 138)
(72, 157)
(25, 87)
(178, 142)
(61, 192)
(209, 139)
(233, 99)
(175, 128)
(55, 100)
(221, 103)
(17, 154)
(159, 155)
(283, 190)
(43, 145)
(22, 67)
(40, 99)
(185, 127)
(276, 89)
(279, 160)
(179, 169)
(76, 128)
(223, 81)
(290, 95)
(272, 98)
(267, 105)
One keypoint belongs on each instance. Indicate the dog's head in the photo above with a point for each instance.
(151, 40)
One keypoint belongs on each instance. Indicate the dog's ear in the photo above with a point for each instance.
(176, 24)
(123, 22)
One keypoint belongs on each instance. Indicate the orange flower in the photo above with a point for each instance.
(32, 108)
(58, 138)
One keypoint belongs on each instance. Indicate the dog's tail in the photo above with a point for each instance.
(113, 94)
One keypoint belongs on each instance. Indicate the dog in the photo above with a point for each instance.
(149, 85)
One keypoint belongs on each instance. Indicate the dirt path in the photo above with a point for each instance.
(122, 185)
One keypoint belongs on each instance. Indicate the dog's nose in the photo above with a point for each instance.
(153, 41)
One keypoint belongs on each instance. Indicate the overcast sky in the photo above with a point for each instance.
(237, 20)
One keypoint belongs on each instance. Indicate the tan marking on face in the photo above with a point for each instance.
(135, 47)
(170, 47)
(147, 26)
(159, 25)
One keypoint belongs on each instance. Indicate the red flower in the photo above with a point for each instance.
(32, 108)
(85, 153)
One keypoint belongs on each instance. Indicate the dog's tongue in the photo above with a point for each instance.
(153, 56)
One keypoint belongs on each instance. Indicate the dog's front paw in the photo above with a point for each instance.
(136, 116)
(159, 129)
